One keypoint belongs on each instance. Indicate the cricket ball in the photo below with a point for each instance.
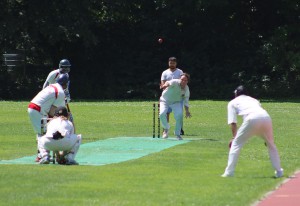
(160, 40)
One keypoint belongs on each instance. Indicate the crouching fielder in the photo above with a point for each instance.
(256, 121)
(60, 137)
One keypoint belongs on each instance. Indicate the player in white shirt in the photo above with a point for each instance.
(60, 137)
(64, 68)
(174, 92)
(256, 121)
(46, 101)
(171, 73)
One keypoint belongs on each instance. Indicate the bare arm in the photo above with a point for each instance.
(164, 85)
(187, 112)
(162, 82)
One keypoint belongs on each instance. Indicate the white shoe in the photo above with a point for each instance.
(279, 173)
(179, 137)
(165, 134)
(44, 160)
(227, 175)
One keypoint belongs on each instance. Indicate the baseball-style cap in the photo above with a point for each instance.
(61, 111)
(173, 59)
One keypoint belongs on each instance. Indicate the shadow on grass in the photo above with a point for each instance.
(200, 139)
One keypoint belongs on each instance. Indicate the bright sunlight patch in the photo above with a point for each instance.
(113, 150)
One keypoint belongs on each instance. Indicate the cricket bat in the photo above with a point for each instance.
(71, 116)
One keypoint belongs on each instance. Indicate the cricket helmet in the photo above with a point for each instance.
(64, 66)
(63, 79)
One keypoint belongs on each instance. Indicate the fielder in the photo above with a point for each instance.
(64, 68)
(60, 137)
(256, 121)
(45, 103)
(171, 73)
(174, 91)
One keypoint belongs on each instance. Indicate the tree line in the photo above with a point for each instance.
(115, 54)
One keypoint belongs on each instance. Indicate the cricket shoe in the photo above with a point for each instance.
(71, 162)
(37, 159)
(227, 175)
(179, 137)
(279, 173)
(165, 134)
(44, 160)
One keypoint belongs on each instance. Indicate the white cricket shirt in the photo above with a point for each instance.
(168, 75)
(51, 79)
(242, 106)
(48, 97)
(65, 127)
(174, 93)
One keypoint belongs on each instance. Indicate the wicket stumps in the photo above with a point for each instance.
(154, 120)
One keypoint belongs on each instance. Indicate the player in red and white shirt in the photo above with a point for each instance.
(256, 121)
(64, 68)
(46, 101)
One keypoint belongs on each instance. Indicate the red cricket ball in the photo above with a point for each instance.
(160, 40)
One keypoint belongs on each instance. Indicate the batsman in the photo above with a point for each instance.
(45, 103)
(64, 68)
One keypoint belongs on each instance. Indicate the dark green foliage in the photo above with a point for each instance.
(114, 52)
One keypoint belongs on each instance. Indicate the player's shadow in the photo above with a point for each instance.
(194, 138)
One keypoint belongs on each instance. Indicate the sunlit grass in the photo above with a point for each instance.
(187, 174)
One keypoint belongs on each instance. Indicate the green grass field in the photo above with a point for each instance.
(187, 174)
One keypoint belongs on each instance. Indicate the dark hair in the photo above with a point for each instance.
(240, 90)
(186, 75)
(173, 59)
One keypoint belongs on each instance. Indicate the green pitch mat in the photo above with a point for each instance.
(113, 150)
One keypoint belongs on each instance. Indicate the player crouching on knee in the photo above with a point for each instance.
(60, 137)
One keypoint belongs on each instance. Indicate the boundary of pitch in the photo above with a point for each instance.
(268, 194)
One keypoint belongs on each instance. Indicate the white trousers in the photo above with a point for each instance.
(253, 124)
(178, 115)
(35, 118)
(69, 144)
